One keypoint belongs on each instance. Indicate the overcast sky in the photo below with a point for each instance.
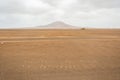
(85, 13)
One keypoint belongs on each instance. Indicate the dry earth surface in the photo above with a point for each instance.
(34, 54)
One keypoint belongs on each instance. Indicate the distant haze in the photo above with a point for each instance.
(81, 13)
(56, 25)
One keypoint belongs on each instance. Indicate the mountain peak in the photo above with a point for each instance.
(58, 25)
(58, 22)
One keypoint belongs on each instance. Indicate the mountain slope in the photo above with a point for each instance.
(57, 25)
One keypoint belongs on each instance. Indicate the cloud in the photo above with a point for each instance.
(89, 13)
(24, 7)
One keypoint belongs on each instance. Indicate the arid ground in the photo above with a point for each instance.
(73, 54)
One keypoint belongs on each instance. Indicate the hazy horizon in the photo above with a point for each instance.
(80, 13)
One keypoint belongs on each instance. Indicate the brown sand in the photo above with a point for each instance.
(59, 54)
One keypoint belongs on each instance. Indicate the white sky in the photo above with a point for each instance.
(85, 13)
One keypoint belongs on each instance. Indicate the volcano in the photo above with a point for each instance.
(57, 25)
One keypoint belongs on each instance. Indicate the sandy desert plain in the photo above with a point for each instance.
(66, 54)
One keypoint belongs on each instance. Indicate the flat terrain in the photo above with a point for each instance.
(60, 54)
